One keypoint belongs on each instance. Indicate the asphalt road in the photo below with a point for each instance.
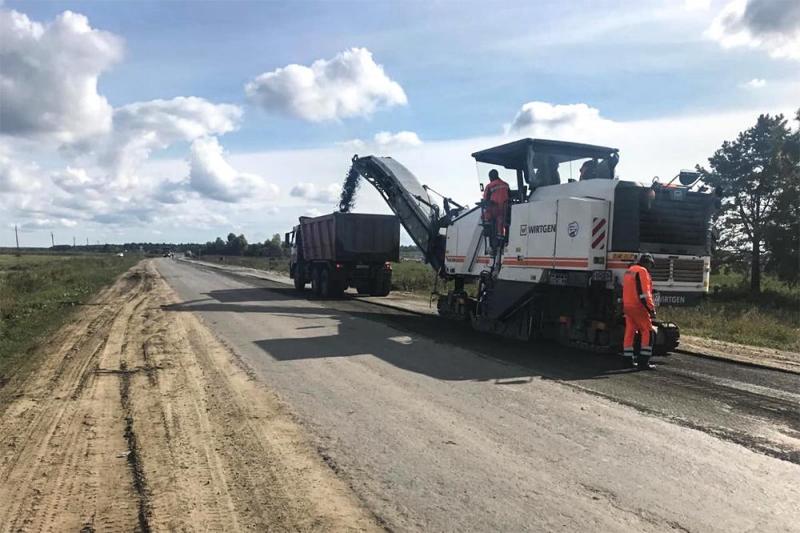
(436, 427)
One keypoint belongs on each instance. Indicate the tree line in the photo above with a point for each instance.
(238, 245)
(233, 245)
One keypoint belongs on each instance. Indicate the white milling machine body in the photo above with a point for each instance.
(558, 273)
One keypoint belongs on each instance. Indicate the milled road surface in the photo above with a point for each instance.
(438, 428)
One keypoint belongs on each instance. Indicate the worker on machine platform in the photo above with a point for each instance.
(639, 310)
(588, 170)
(495, 197)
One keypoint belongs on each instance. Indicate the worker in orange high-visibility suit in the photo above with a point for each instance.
(637, 304)
(495, 197)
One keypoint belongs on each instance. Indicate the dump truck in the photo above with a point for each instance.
(341, 250)
(556, 270)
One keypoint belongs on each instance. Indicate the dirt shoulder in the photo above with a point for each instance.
(741, 353)
(138, 419)
(416, 303)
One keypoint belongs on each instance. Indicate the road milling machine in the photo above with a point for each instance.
(569, 237)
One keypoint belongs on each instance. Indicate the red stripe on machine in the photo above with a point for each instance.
(600, 238)
(598, 226)
(546, 262)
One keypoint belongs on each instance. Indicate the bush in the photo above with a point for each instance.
(732, 313)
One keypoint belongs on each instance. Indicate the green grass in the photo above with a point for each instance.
(38, 293)
(731, 313)
(413, 277)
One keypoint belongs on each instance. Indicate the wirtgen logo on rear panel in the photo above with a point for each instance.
(573, 228)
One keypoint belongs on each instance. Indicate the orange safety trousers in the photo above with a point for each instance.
(637, 319)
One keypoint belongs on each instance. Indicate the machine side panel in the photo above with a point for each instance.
(465, 245)
(531, 243)
(581, 235)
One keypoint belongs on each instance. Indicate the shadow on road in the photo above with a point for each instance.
(503, 360)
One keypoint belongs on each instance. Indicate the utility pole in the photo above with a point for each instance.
(73, 241)
(16, 236)
(52, 240)
(87, 241)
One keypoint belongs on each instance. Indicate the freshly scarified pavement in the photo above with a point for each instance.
(437, 427)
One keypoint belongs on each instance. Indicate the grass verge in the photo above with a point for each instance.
(731, 313)
(39, 292)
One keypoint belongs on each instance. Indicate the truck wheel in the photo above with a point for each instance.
(324, 283)
(299, 282)
(316, 285)
(335, 289)
(381, 286)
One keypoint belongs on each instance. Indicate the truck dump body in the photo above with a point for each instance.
(347, 237)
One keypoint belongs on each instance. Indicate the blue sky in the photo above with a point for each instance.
(466, 70)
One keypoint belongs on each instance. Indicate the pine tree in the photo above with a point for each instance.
(751, 175)
(782, 237)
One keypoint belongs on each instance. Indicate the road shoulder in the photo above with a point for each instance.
(141, 419)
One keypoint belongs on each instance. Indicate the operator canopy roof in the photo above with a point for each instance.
(538, 159)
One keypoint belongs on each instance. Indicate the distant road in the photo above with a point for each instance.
(439, 428)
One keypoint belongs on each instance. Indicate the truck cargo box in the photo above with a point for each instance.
(347, 237)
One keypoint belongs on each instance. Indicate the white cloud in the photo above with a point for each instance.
(16, 176)
(401, 138)
(48, 80)
(74, 180)
(49, 100)
(770, 25)
(755, 83)
(385, 140)
(326, 195)
(143, 127)
(543, 118)
(47, 224)
(696, 5)
(212, 176)
(349, 85)
(107, 181)
(180, 118)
